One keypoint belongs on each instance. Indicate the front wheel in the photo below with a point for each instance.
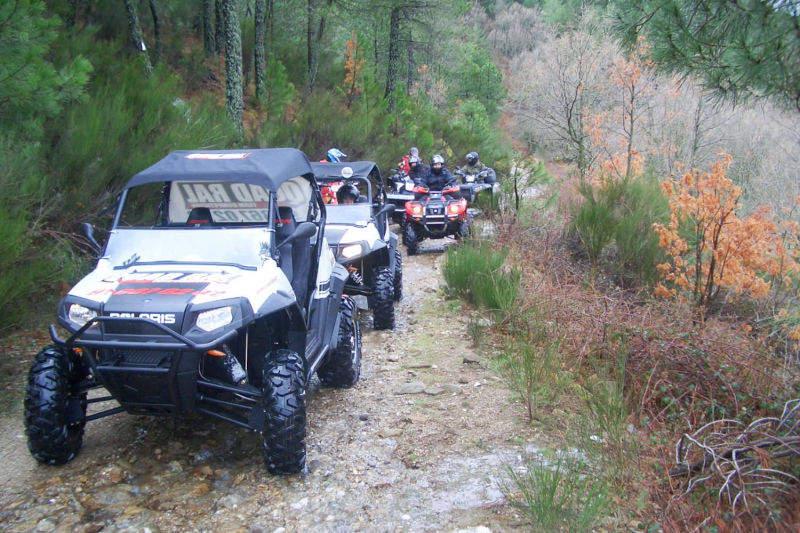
(342, 367)
(55, 407)
(382, 299)
(410, 239)
(465, 229)
(284, 403)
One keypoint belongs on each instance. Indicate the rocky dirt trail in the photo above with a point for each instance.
(419, 444)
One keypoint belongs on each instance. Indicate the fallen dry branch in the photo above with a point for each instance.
(749, 464)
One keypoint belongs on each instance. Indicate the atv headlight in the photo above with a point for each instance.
(80, 315)
(351, 250)
(214, 318)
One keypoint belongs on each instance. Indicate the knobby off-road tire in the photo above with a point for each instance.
(55, 408)
(284, 400)
(342, 368)
(410, 236)
(382, 299)
(465, 230)
(398, 275)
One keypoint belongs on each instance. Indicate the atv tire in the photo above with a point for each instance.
(398, 275)
(410, 239)
(284, 402)
(342, 368)
(55, 408)
(465, 229)
(382, 299)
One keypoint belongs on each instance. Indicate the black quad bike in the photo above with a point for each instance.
(215, 294)
(435, 215)
(400, 190)
(359, 235)
(473, 186)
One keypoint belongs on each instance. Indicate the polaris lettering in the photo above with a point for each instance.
(161, 318)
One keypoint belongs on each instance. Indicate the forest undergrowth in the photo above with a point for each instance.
(660, 421)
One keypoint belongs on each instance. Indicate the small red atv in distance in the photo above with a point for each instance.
(434, 215)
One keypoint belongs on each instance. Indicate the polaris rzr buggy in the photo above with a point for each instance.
(215, 294)
(359, 233)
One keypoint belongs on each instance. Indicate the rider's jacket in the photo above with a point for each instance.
(438, 182)
(419, 173)
(473, 169)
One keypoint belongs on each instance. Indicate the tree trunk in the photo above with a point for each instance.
(394, 56)
(209, 41)
(234, 103)
(154, 11)
(258, 50)
(412, 69)
(314, 33)
(135, 33)
(220, 33)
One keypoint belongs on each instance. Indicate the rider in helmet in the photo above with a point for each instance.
(417, 169)
(474, 165)
(347, 194)
(334, 155)
(404, 165)
(439, 178)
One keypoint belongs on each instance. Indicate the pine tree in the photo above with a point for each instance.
(739, 48)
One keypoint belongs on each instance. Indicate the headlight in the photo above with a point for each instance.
(214, 318)
(351, 250)
(80, 315)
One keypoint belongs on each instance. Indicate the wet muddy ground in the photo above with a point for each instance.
(421, 443)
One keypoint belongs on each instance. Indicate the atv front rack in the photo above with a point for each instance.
(186, 389)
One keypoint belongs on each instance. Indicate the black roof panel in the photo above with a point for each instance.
(269, 167)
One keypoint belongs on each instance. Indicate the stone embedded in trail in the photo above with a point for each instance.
(434, 391)
(390, 432)
(472, 359)
(413, 387)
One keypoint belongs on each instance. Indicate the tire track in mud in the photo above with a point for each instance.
(419, 444)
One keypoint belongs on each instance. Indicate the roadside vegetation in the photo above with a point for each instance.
(645, 304)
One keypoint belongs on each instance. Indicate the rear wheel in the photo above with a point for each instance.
(284, 401)
(398, 275)
(410, 238)
(343, 366)
(55, 407)
(382, 299)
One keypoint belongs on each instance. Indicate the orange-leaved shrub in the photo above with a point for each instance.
(711, 248)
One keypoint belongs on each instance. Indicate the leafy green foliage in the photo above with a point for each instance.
(475, 271)
(130, 122)
(622, 212)
(739, 49)
(32, 88)
(557, 495)
(637, 247)
(476, 76)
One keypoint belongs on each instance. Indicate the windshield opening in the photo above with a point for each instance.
(195, 204)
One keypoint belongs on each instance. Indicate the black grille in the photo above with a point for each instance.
(138, 358)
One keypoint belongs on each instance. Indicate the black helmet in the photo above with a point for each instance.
(434, 160)
(348, 190)
(472, 158)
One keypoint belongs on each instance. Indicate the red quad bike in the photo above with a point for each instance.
(434, 215)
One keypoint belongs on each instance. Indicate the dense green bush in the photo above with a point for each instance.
(475, 271)
(621, 213)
